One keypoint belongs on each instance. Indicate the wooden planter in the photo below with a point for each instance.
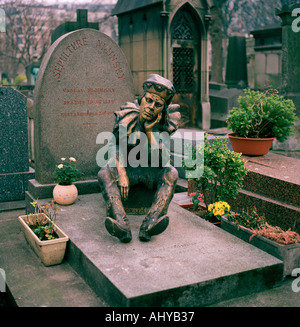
(289, 254)
(250, 146)
(50, 252)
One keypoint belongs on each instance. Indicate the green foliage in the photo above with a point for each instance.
(44, 233)
(250, 219)
(223, 171)
(4, 82)
(20, 79)
(262, 115)
(66, 172)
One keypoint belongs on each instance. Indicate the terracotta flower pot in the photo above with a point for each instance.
(65, 194)
(250, 146)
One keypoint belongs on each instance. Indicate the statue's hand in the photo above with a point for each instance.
(124, 185)
(149, 125)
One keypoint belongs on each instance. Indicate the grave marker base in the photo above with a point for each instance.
(193, 263)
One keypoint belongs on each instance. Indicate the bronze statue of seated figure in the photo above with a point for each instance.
(151, 115)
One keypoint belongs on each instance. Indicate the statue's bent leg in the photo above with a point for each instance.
(156, 220)
(116, 223)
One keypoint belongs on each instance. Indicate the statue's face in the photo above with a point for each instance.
(151, 105)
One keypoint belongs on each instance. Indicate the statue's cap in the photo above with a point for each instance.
(160, 86)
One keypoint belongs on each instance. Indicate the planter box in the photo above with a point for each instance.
(50, 252)
(289, 254)
(190, 205)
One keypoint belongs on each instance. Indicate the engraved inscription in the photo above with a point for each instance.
(116, 65)
(66, 54)
(73, 47)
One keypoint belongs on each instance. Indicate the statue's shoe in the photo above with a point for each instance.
(151, 227)
(119, 230)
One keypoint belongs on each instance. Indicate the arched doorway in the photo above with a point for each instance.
(185, 63)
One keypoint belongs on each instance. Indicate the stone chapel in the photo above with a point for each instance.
(169, 38)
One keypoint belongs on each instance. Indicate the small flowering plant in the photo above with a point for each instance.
(248, 218)
(41, 227)
(218, 209)
(197, 198)
(66, 172)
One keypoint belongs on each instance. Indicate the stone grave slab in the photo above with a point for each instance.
(84, 77)
(222, 100)
(13, 128)
(193, 263)
(14, 162)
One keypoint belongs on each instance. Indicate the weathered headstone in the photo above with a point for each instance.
(290, 67)
(222, 100)
(236, 68)
(83, 79)
(290, 48)
(14, 163)
(267, 53)
(224, 96)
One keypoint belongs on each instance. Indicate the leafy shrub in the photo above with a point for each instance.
(223, 171)
(262, 115)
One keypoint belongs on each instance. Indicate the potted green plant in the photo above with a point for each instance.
(253, 228)
(41, 232)
(66, 173)
(261, 117)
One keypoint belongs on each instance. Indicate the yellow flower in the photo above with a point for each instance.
(34, 203)
(210, 207)
(60, 166)
(221, 212)
(215, 212)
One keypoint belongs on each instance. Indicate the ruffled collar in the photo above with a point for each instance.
(130, 113)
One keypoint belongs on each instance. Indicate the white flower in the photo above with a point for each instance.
(62, 159)
(72, 159)
(60, 166)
